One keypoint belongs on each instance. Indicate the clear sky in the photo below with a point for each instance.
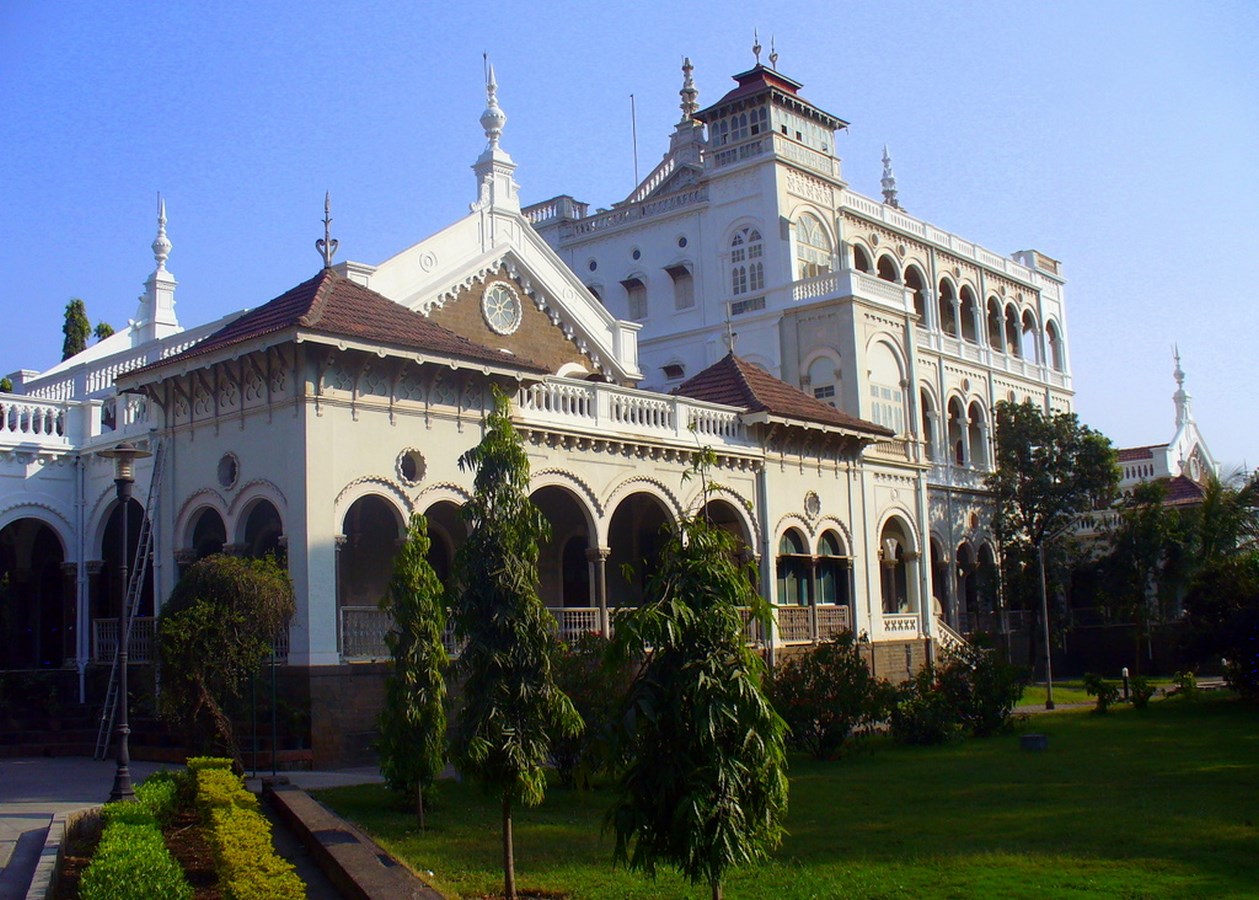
(1119, 137)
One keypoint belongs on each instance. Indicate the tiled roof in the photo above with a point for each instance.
(334, 305)
(1182, 490)
(1131, 454)
(736, 382)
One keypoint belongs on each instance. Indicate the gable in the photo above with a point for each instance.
(536, 337)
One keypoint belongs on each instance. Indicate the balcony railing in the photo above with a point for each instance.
(105, 640)
(831, 620)
(900, 623)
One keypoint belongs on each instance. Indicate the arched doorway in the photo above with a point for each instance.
(563, 562)
(897, 563)
(371, 533)
(209, 534)
(446, 533)
(262, 531)
(36, 599)
(635, 536)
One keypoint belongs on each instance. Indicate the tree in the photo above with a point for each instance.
(1049, 470)
(510, 707)
(6, 386)
(212, 635)
(413, 720)
(705, 785)
(76, 329)
(103, 330)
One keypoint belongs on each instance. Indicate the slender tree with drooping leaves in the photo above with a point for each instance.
(77, 328)
(705, 786)
(103, 330)
(413, 721)
(510, 707)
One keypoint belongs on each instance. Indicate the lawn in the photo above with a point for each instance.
(1160, 803)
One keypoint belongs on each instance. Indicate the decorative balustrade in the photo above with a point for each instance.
(751, 626)
(26, 419)
(139, 647)
(899, 449)
(900, 623)
(562, 207)
(363, 630)
(831, 620)
(657, 177)
(946, 636)
(794, 625)
(573, 622)
(633, 212)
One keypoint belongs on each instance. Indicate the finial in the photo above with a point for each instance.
(161, 244)
(689, 94)
(889, 181)
(327, 245)
(756, 46)
(1181, 398)
(732, 336)
(1178, 373)
(493, 119)
(773, 54)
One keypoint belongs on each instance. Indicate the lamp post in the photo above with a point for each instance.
(124, 457)
(1044, 615)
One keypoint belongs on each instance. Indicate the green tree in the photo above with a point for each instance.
(510, 708)
(213, 633)
(103, 330)
(413, 721)
(6, 386)
(705, 785)
(76, 329)
(1049, 470)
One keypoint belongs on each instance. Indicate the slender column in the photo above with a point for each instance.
(69, 610)
(597, 557)
(963, 425)
(339, 542)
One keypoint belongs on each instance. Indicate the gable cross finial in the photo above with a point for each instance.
(732, 336)
(889, 181)
(689, 93)
(327, 245)
(756, 46)
(161, 244)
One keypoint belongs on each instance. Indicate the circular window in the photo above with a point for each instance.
(636, 253)
(500, 305)
(410, 466)
(592, 265)
(682, 241)
(228, 470)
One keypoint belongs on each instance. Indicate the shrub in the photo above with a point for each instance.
(240, 838)
(982, 688)
(1141, 691)
(1187, 684)
(923, 714)
(131, 861)
(825, 695)
(159, 795)
(596, 688)
(1106, 692)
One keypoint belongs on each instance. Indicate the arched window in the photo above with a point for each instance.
(1012, 331)
(995, 334)
(793, 570)
(928, 425)
(888, 270)
(956, 433)
(636, 298)
(747, 270)
(1055, 346)
(977, 433)
(914, 281)
(948, 312)
(832, 571)
(966, 307)
(822, 379)
(813, 248)
(887, 398)
(1031, 338)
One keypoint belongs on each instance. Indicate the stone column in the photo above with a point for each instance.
(597, 557)
(339, 541)
(69, 611)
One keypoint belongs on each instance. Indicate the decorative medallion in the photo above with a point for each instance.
(501, 307)
(812, 504)
(428, 261)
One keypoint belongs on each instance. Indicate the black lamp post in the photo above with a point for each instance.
(124, 456)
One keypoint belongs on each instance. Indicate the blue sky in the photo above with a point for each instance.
(1119, 137)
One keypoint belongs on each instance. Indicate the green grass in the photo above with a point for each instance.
(1160, 803)
(1073, 691)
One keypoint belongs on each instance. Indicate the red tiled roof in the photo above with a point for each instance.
(334, 305)
(1131, 454)
(759, 79)
(736, 382)
(1182, 490)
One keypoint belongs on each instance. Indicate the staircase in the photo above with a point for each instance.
(135, 590)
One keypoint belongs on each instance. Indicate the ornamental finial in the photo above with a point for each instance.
(327, 245)
(161, 244)
(493, 119)
(756, 46)
(889, 181)
(689, 93)
(1181, 398)
(773, 54)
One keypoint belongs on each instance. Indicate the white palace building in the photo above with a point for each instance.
(841, 357)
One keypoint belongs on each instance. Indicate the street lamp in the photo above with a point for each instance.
(124, 457)
(1044, 615)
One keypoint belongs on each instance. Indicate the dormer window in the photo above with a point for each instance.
(674, 371)
(636, 295)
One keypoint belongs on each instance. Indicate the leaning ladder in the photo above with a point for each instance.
(135, 590)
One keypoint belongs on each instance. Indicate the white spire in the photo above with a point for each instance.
(889, 181)
(494, 167)
(1181, 398)
(155, 314)
(689, 93)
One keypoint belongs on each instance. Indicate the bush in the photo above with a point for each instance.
(1141, 691)
(923, 714)
(1106, 692)
(825, 695)
(982, 688)
(131, 861)
(1187, 684)
(240, 838)
(596, 688)
(159, 796)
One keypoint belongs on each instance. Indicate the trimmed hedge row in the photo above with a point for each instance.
(240, 837)
(132, 862)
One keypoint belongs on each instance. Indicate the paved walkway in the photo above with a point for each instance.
(32, 791)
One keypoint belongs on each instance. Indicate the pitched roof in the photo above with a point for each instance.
(737, 382)
(1129, 454)
(334, 305)
(1182, 490)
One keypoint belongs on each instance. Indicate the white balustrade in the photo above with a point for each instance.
(573, 622)
(900, 623)
(29, 420)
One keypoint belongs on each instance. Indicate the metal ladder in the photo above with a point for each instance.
(135, 590)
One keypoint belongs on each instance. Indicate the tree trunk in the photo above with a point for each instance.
(419, 805)
(716, 885)
(509, 858)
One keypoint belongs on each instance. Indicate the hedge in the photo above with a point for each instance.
(240, 838)
(132, 862)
